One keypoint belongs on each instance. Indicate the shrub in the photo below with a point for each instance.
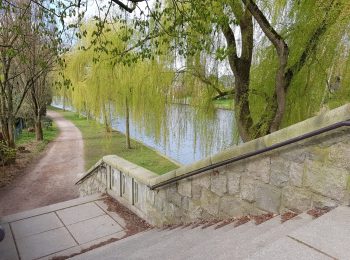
(7, 154)
(47, 122)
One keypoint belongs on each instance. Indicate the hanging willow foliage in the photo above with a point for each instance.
(100, 85)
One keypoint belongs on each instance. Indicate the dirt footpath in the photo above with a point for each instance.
(52, 178)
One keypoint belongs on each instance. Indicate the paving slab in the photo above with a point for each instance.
(7, 246)
(112, 214)
(35, 225)
(49, 208)
(79, 248)
(288, 249)
(329, 234)
(94, 228)
(49, 242)
(79, 213)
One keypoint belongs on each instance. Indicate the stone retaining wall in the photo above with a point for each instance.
(312, 173)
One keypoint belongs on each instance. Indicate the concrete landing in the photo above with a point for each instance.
(327, 237)
(59, 229)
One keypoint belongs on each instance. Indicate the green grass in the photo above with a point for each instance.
(98, 143)
(49, 134)
(224, 103)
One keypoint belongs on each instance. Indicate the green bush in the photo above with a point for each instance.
(7, 154)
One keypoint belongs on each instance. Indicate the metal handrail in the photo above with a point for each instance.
(88, 174)
(251, 154)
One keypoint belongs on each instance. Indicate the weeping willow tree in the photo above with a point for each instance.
(293, 33)
(103, 87)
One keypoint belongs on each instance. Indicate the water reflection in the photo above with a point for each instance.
(184, 138)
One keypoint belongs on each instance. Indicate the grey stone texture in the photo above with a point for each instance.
(219, 183)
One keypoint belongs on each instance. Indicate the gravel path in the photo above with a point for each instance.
(52, 178)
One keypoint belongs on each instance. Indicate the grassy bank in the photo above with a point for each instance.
(98, 143)
(224, 104)
(49, 134)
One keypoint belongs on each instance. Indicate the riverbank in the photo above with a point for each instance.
(31, 150)
(98, 143)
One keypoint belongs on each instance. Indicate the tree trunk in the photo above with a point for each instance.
(7, 128)
(240, 67)
(127, 124)
(38, 129)
(106, 120)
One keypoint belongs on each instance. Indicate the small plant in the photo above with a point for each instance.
(7, 154)
(47, 122)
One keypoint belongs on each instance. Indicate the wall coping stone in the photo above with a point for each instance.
(311, 124)
(135, 171)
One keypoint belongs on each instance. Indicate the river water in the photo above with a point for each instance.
(184, 140)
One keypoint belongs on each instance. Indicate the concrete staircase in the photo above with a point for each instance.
(301, 237)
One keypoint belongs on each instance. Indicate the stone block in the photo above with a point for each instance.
(248, 189)
(174, 197)
(194, 210)
(279, 171)
(219, 184)
(233, 183)
(318, 153)
(296, 199)
(172, 212)
(339, 155)
(159, 202)
(319, 201)
(326, 180)
(196, 191)
(236, 168)
(202, 180)
(296, 174)
(150, 195)
(268, 198)
(185, 203)
(231, 207)
(259, 169)
(210, 201)
(294, 153)
(185, 188)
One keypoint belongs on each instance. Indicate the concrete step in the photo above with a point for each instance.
(228, 239)
(141, 240)
(301, 237)
(147, 246)
(179, 242)
(250, 246)
(327, 237)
